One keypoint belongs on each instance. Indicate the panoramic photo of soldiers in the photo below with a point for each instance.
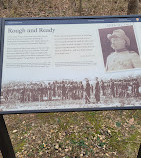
(79, 92)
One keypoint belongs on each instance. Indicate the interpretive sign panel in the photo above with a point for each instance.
(71, 64)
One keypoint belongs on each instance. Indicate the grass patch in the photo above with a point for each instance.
(19, 146)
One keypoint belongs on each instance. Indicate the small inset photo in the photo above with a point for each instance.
(119, 48)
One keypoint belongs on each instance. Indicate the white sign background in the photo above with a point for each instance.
(85, 52)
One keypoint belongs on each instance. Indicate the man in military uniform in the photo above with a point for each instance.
(122, 58)
(87, 92)
(103, 87)
(97, 91)
(81, 88)
(63, 90)
(112, 88)
(49, 92)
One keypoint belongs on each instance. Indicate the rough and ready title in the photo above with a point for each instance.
(22, 30)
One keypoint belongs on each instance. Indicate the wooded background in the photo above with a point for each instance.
(20, 8)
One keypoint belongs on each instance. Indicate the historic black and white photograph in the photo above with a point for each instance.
(120, 50)
(72, 94)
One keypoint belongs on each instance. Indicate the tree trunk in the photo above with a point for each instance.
(133, 7)
(15, 3)
(80, 7)
(2, 6)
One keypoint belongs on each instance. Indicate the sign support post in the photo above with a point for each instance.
(5, 142)
(139, 153)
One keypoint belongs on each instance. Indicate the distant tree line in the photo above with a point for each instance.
(133, 5)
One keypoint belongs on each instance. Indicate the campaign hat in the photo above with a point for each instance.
(86, 79)
(119, 33)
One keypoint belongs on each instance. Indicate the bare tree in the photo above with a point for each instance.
(80, 7)
(2, 6)
(14, 3)
(133, 7)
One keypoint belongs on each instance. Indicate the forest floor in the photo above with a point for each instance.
(98, 134)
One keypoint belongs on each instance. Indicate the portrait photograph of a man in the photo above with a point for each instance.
(119, 48)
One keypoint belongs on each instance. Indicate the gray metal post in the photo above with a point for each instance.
(139, 153)
(5, 142)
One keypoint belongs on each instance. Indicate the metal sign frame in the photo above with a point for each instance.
(66, 20)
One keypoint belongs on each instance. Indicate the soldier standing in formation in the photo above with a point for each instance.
(97, 91)
(112, 87)
(87, 92)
